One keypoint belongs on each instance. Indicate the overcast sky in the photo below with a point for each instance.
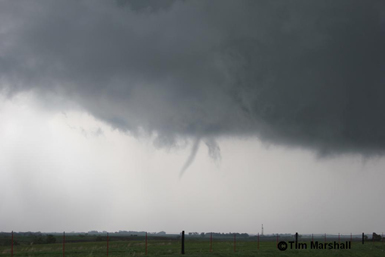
(192, 115)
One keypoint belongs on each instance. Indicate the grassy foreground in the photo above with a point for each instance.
(192, 248)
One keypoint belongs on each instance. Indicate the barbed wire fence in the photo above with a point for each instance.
(212, 238)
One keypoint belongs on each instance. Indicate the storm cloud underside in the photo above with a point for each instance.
(299, 73)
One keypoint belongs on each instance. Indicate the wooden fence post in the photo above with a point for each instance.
(211, 242)
(64, 241)
(234, 242)
(12, 245)
(183, 242)
(107, 244)
(258, 241)
(277, 241)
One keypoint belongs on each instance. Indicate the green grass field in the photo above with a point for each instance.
(171, 247)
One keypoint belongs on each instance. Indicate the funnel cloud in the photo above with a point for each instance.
(191, 157)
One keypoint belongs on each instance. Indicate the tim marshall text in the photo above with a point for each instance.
(283, 246)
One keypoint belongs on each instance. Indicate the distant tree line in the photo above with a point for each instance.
(39, 239)
(6, 241)
(215, 234)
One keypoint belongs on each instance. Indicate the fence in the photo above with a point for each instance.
(205, 242)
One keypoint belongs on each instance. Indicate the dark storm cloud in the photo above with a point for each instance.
(299, 73)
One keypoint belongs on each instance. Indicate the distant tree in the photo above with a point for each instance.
(244, 235)
(376, 237)
(38, 239)
(99, 238)
(8, 242)
(50, 239)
